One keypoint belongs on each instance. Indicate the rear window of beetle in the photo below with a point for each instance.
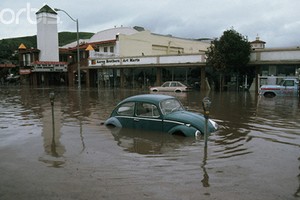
(126, 109)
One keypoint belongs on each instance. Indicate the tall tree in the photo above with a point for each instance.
(229, 54)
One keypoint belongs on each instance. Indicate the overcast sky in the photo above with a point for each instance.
(277, 22)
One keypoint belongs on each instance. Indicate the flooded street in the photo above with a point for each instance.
(254, 155)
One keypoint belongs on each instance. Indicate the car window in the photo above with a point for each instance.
(126, 109)
(146, 110)
(288, 83)
(165, 84)
(180, 84)
(173, 84)
(170, 105)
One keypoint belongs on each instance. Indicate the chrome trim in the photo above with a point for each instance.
(197, 133)
(139, 118)
(215, 125)
(175, 122)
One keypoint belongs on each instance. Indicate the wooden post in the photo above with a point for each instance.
(202, 81)
(122, 78)
(256, 79)
(87, 78)
(158, 76)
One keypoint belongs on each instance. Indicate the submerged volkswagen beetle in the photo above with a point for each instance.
(162, 113)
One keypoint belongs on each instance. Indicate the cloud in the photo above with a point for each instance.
(276, 22)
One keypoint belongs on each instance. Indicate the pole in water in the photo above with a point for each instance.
(52, 97)
(205, 132)
(206, 103)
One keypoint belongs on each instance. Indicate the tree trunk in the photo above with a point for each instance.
(221, 81)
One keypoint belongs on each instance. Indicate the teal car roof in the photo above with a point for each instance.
(150, 98)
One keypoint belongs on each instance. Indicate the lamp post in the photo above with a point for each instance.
(78, 55)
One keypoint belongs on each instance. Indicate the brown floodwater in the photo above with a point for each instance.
(254, 155)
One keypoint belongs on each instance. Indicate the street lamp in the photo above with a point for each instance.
(78, 55)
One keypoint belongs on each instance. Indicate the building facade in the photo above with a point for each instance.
(41, 66)
(121, 57)
(273, 65)
(134, 57)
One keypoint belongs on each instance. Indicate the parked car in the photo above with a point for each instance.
(157, 112)
(287, 87)
(171, 86)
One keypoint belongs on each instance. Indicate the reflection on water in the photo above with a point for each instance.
(144, 142)
(297, 193)
(259, 138)
(51, 135)
(205, 180)
(241, 116)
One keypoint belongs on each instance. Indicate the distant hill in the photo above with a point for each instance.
(68, 37)
(9, 45)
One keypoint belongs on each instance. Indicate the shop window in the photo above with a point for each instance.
(286, 70)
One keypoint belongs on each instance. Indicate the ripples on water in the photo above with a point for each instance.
(242, 117)
(254, 132)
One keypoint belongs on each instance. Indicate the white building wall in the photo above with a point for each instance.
(182, 59)
(292, 54)
(47, 37)
(281, 55)
(145, 43)
(110, 34)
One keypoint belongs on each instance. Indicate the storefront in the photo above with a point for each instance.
(142, 72)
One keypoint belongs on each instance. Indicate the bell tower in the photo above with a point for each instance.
(257, 43)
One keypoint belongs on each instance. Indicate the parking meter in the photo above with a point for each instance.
(206, 103)
(52, 97)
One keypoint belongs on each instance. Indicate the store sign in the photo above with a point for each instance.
(25, 71)
(116, 61)
(147, 60)
(49, 68)
(122, 61)
(7, 65)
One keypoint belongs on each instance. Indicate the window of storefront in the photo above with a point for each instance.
(284, 70)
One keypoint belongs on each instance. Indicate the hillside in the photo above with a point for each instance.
(68, 37)
(10, 45)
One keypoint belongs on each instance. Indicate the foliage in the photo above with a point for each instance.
(9, 46)
(230, 53)
(228, 57)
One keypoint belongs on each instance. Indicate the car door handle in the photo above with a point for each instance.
(136, 119)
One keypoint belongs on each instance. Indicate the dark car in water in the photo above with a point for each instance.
(156, 112)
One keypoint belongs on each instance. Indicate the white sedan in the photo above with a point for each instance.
(171, 86)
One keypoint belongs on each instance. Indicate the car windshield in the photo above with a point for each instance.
(170, 105)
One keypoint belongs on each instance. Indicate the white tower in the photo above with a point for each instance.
(47, 36)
